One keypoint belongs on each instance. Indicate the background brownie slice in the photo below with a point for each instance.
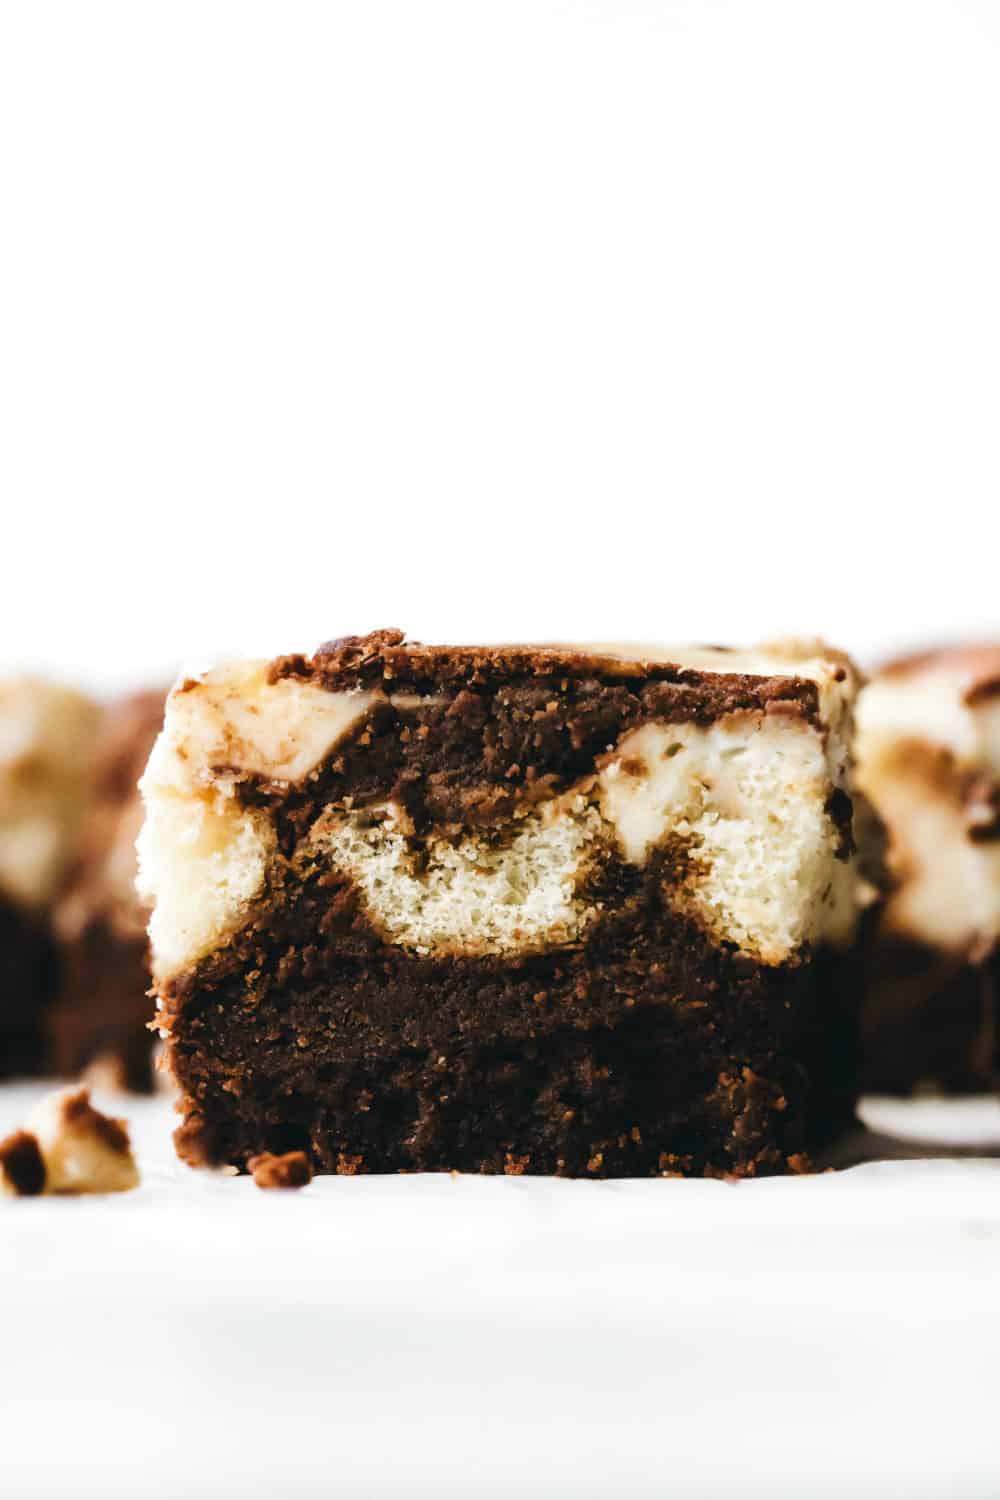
(102, 1008)
(47, 735)
(507, 909)
(929, 759)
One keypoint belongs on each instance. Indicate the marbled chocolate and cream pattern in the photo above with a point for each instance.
(747, 798)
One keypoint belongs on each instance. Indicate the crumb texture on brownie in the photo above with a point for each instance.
(748, 797)
(507, 908)
(466, 895)
(757, 872)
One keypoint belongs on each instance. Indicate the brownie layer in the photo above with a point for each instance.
(470, 738)
(646, 1050)
(718, 685)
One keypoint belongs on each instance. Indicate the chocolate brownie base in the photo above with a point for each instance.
(648, 1050)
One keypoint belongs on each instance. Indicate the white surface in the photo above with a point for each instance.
(664, 319)
(823, 1337)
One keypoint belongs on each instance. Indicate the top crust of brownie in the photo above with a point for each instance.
(712, 681)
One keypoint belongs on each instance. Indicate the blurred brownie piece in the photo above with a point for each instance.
(289, 1171)
(508, 909)
(68, 1147)
(99, 1020)
(929, 760)
(47, 735)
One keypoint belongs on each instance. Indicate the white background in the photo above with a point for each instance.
(641, 319)
(515, 319)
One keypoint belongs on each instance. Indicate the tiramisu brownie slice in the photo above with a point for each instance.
(99, 1019)
(512, 909)
(46, 744)
(929, 760)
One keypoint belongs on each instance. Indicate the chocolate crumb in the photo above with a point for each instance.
(292, 1170)
(22, 1170)
(84, 1150)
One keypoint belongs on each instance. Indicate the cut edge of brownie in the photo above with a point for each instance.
(310, 1026)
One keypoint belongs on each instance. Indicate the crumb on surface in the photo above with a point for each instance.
(22, 1170)
(84, 1151)
(292, 1170)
